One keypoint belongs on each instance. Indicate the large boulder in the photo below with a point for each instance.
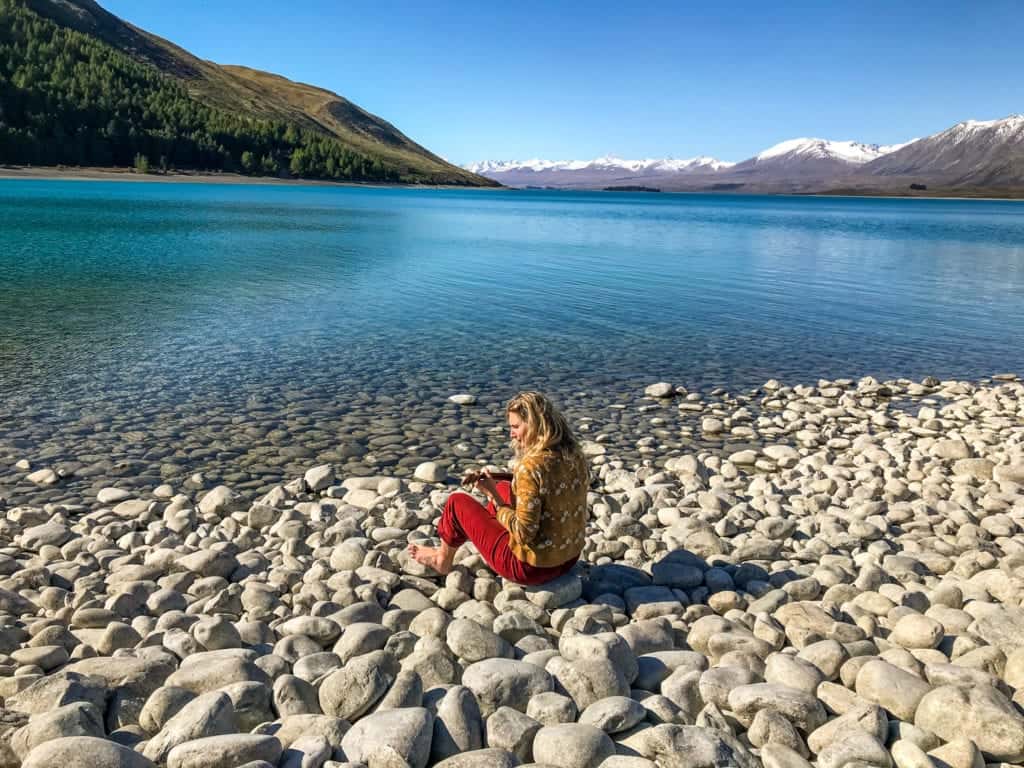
(384, 739)
(891, 688)
(572, 745)
(979, 713)
(351, 691)
(505, 683)
(472, 642)
(210, 714)
(481, 758)
(458, 726)
(556, 593)
(55, 533)
(217, 501)
(56, 690)
(211, 670)
(208, 562)
(15, 604)
(320, 477)
(855, 747)
(614, 714)
(290, 729)
(132, 680)
(74, 751)
(1001, 626)
(80, 719)
(688, 746)
(512, 730)
(588, 680)
(228, 751)
(865, 717)
(164, 704)
(800, 708)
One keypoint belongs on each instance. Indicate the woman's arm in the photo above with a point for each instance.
(473, 477)
(523, 521)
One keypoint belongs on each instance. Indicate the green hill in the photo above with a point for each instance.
(79, 86)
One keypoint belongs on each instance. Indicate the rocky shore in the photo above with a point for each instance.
(827, 575)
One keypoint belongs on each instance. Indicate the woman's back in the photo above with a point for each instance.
(551, 488)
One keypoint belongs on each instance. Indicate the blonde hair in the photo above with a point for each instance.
(545, 426)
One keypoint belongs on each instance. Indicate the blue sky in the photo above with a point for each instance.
(575, 80)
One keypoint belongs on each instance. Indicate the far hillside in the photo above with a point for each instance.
(80, 87)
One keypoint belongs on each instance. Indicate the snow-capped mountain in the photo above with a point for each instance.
(823, 149)
(982, 153)
(602, 171)
(608, 162)
(972, 153)
(798, 159)
(810, 159)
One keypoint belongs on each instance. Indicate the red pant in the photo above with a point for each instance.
(466, 519)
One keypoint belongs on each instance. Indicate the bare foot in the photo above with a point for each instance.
(430, 557)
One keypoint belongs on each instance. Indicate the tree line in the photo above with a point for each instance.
(67, 98)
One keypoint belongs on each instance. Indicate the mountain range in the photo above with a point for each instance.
(972, 157)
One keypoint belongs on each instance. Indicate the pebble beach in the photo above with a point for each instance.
(826, 574)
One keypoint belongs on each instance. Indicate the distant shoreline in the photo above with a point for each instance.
(49, 173)
(1015, 195)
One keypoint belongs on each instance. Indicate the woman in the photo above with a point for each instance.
(533, 529)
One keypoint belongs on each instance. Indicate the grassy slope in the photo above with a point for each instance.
(259, 94)
(363, 131)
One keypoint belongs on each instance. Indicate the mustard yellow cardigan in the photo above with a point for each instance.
(548, 523)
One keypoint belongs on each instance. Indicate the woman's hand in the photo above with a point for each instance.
(486, 485)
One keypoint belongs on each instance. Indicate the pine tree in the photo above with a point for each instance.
(298, 162)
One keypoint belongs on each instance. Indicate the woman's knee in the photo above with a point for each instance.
(504, 490)
(453, 499)
(458, 502)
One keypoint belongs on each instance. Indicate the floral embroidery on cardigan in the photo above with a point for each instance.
(550, 514)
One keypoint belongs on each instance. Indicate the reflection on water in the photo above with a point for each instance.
(214, 293)
(101, 279)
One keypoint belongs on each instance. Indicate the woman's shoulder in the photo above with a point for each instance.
(533, 460)
(550, 458)
(537, 460)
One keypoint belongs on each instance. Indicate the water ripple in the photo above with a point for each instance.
(183, 284)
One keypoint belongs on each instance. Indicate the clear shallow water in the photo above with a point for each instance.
(168, 300)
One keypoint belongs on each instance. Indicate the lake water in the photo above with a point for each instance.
(129, 305)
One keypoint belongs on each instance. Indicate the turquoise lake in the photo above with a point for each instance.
(109, 280)
(151, 299)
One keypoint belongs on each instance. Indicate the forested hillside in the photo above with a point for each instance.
(68, 98)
